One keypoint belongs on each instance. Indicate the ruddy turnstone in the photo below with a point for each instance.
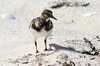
(42, 26)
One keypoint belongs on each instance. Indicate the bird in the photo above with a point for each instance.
(42, 26)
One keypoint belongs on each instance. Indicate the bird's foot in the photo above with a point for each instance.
(37, 51)
(46, 49)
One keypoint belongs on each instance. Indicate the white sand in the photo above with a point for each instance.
(16, 39)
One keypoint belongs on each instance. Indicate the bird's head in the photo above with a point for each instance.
(48, 14)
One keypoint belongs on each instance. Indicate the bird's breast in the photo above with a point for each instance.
(42, 33)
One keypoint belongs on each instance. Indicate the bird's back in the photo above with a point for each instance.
(38, 24)
(41, 27)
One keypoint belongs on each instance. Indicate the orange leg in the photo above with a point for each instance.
(36, 47)
(45, 45)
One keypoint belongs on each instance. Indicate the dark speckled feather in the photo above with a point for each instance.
(41, 24)
(42, 27)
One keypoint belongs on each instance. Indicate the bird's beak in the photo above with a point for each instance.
(53, 17)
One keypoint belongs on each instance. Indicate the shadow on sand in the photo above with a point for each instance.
(58, 48)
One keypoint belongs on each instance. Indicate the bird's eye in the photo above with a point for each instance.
(48, 14)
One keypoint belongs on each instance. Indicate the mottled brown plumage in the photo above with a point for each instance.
(42, 26)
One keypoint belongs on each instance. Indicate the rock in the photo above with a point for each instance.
(66, 64)
(8, 16)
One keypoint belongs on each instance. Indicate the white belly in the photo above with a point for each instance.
(43, 33)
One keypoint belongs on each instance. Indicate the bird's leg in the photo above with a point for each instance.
(36, 47)
(45, 45)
